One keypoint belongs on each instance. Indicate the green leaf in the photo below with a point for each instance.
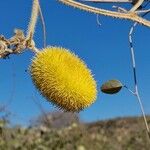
(111, 87)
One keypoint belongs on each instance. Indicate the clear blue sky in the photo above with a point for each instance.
(105, 49)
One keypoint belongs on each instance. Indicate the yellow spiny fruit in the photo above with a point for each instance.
(63, 79)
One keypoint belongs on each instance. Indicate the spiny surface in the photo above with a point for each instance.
(63, 78)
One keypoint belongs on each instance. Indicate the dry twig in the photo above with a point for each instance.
(129, 15)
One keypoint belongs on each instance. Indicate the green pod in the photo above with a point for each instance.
(111, 87)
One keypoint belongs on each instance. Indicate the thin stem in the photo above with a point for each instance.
(33, 20)
(142, 11)
(35, 50)
(142, 109)
(132, 54)
(43, 26)
(120, 9)
(136, 5)
(129, 90)
(97, 20)
(135, 77)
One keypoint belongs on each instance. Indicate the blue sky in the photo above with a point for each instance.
(105, 50)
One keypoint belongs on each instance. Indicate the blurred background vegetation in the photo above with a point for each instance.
(65, 131)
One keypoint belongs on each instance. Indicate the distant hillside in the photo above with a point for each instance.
(116, 134)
